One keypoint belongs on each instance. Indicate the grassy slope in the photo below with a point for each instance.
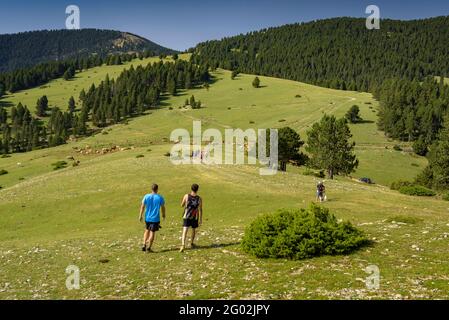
(59, 90)
(84, 214)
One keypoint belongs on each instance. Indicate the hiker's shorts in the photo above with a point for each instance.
(193, 223)
(153, 226)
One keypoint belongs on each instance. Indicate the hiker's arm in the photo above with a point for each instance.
(200, 212)
(163, 211)
(142, 208)
(184, 201)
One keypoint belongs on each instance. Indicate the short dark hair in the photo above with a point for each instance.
(154, 187)
(195, 187)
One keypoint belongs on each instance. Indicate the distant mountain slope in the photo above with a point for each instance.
(30, 48)
(340, 53)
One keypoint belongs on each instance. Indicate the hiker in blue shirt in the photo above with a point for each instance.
(152, 204)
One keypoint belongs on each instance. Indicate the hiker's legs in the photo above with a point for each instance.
(151, 238)
(193, 235)
(184, 235)
(145, 237)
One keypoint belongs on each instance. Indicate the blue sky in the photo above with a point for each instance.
(182, 24)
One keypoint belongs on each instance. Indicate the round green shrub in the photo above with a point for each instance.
(300, 234)
(446, 196)
(3, 172)
(415, 190)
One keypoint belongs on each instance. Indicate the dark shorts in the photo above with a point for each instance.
(153, 226)
(190, 223)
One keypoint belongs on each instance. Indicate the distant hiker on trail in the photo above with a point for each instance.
(193, 215)
(320, 192)
(152, 204)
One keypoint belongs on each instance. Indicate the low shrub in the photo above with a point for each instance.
(140, 156)
(416, 190)
(300, 234)
(399, 184)
(3, 172)
(397, 147)
(446, 196)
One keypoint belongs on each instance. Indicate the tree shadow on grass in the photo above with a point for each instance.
(363, 122)
(202, 247)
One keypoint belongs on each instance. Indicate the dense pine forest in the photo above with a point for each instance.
(399, 64)
(27, 78)
(132, 93)
(411, 110)
(340, 53)
(30, 48)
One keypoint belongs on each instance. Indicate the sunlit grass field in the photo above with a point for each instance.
(88, 215)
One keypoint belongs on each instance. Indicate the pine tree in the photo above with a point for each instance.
(289, 143)
(353, 114)
(439, 159)
(82, 95)
(171, 86)
(188, 82)
(256, 82)
(42, 106)
(329, 146)
(72, 105)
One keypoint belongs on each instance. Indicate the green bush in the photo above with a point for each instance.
(3, 172)
(140, 156)
(415, 190)
(399, 184)
(397, 147)
(300, 234)
(446, 196)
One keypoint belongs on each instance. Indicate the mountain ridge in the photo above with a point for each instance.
(26, 49)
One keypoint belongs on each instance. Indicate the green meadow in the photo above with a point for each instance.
(88, 215)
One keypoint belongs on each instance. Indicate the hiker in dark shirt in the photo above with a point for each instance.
(320, 192)
(193, 215)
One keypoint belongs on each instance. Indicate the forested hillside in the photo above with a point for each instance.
(398, 63)
(132, 93)
(340, 53)
(30, 48)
